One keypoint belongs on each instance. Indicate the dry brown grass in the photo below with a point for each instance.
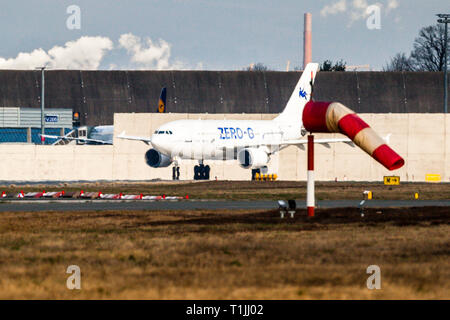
(222, 255)
(253, 189)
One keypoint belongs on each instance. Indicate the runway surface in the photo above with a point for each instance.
(85, 205)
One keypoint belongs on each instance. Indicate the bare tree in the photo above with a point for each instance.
(340, 65)
(429, 49)
(257, 67)
(400, 62)
(327, 65)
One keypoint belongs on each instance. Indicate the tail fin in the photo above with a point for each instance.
(300, 96)
(162, 101)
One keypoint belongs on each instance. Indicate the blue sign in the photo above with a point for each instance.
(302, 93)
(235, 133)
(51, 118)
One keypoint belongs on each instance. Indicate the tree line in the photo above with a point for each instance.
(427, 55)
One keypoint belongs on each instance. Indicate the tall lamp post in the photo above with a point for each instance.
(42, 102)
(445, 19)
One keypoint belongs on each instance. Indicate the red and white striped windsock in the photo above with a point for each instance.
(335, 117)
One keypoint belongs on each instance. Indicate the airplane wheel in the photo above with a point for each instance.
(201, 172)
(174, 177)
(207, 171)
(196, 172)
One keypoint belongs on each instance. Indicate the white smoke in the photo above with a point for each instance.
(392, 5)
(85, 53)
(145, 54)
(357, 9)
(334, 8)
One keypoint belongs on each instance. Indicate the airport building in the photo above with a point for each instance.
(97, 95)
(406, 104)
(23, 125)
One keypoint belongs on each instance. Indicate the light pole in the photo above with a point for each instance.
(445, 19)
(42, 102)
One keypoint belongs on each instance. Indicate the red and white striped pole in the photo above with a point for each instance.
(310, 202)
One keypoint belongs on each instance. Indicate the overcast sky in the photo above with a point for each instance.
(208, 35)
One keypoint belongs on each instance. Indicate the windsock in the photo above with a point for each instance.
(336, 118)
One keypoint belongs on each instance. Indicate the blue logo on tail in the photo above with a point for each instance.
(302, 94)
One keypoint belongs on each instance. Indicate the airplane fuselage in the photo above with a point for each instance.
(213, 139)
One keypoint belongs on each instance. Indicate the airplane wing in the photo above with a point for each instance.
(75, 139)
(324, 142)
(285, 143)
(143, 139)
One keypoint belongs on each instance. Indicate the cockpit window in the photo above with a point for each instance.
(163, 132)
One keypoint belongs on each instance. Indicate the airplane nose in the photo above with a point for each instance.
(158, 142)
(155, 140)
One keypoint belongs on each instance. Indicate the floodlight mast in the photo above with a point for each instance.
(42, 102)
(445, 19)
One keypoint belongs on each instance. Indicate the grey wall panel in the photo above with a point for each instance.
(337, 86)
(279, 88)
(424, 92)
(144, 89)
(97, 95)
(379, 90)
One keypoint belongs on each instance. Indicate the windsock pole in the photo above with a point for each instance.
(310, 202)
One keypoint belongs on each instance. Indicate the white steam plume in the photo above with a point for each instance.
(145, 54)
(85, 53)
(334, 8)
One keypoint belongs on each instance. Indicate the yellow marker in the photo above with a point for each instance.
(274, 177)
(433, 178)
(369, 195)
(391, 180)
(257, 176)
(416, 195)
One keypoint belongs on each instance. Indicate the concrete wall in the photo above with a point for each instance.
(97, 95)
(422, 139)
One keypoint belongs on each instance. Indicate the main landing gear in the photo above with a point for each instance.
(201, 172)
(176, 173)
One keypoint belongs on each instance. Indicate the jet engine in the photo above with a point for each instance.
(156, 159)
(252, 158)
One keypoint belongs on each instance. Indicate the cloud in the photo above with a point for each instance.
(88, 53)
(334, 8)
(357, 9)
(145, 54)
(85, 53)
(392, 5)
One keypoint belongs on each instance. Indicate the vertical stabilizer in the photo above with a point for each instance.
(300, 96)
(162, 101)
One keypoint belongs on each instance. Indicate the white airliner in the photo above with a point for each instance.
(250, 142)
(95, 135)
